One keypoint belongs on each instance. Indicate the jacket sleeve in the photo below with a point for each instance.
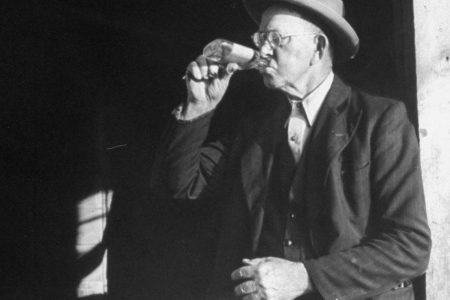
(185, 167)
(399, 249)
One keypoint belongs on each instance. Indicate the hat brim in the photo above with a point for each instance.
(346, 39)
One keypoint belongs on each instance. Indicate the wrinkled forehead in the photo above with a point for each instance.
(283, 19)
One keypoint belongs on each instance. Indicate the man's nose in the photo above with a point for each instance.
(266, 49)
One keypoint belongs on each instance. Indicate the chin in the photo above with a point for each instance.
(273, 81)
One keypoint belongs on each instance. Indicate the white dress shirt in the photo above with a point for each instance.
(303, 115)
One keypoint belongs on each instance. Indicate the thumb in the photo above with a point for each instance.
(230, 69)
(254, 261)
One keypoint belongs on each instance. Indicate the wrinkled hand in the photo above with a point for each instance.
(206, 84)
(271, 278)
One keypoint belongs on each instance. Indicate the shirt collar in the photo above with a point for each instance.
(313, 101)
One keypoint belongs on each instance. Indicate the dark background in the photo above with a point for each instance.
(78, 77)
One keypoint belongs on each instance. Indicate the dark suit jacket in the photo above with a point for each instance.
(363, 192)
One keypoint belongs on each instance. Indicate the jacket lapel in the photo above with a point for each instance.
(332, 132)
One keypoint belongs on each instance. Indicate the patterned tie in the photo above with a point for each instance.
(296, 128)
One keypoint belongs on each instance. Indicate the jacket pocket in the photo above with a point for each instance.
(355, 187)
(348, 166)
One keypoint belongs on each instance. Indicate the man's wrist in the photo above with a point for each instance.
(190, 113)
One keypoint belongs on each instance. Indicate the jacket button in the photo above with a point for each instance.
(288, 243)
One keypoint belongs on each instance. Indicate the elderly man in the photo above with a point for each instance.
(322, 192)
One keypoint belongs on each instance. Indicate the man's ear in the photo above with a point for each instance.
(321, 43)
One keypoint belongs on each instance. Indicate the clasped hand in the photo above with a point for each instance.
(271, 278)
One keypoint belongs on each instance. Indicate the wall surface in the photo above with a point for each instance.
(92, 217)
(432, 27)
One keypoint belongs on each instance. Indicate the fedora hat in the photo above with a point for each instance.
(329, 12)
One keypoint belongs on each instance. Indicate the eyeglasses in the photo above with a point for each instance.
(274, 38)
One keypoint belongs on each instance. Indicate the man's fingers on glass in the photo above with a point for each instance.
(231, 68)
(201, 70)
(213, 71)
(193, 71)
(203, 65)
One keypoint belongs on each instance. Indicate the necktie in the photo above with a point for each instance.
(296, 128)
